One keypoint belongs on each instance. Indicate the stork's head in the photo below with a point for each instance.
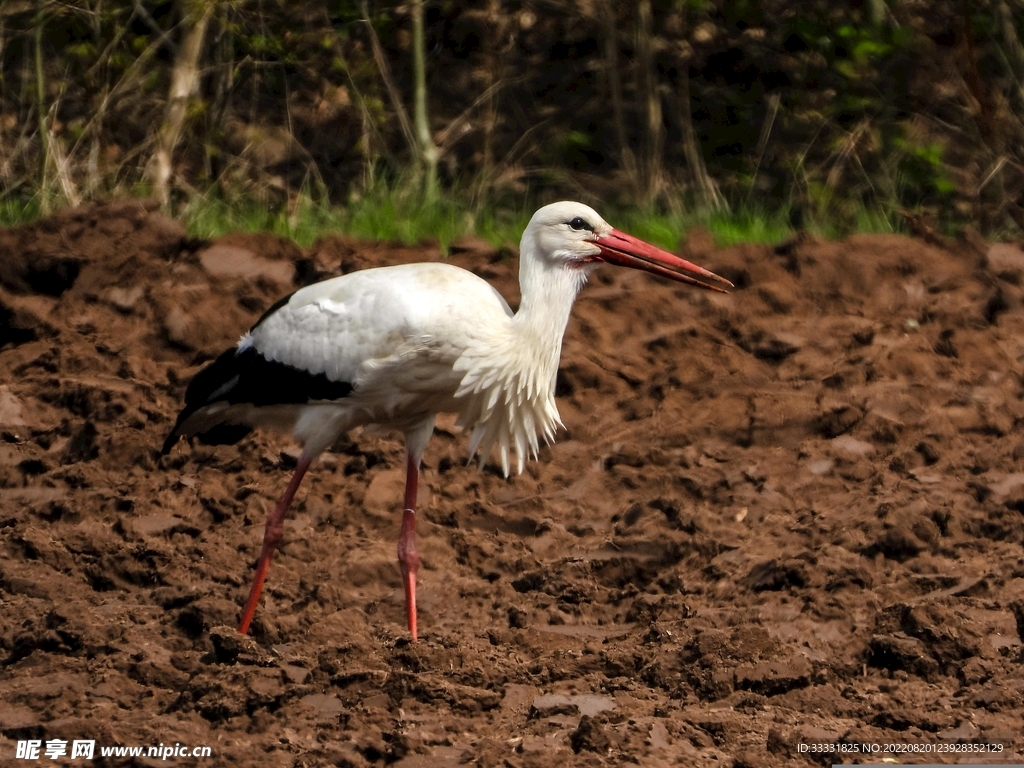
(573, 236)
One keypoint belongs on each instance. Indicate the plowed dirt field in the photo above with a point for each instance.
(786, 517)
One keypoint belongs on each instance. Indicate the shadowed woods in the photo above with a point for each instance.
(837, 116)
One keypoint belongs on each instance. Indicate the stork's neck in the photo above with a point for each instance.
(509, 382)
(547, 295)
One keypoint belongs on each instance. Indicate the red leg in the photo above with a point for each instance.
(408, 558)
(271, 538)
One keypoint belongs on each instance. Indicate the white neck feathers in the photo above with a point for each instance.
(509, 386)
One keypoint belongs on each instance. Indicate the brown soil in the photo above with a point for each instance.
(789, 515)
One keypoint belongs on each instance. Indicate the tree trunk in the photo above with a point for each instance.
(184, 86)
(492, 42)
(425, 144)
(705, 188)
(774, 100)
(651, 103)
(41, 110)
(1012, 48)
(611, 64)
(384, 69)
(876, 9)
(223, 86)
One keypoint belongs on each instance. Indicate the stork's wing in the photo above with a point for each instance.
(388, 338)
(347, 327)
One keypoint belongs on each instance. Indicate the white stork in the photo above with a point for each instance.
(395, 346)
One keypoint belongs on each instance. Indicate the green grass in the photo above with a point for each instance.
(388, 217)
(382, 216)
(15, 212)
(211, 216)
(743, 225)
(404, 218)
(727, 228)
(387, 214)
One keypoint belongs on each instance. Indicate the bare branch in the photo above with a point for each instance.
(184, 85)
(389, 82)
(162, 36)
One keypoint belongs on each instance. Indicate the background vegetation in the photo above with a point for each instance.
(267, 113)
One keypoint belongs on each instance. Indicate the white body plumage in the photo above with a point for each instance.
(406, 343)
(414, 341)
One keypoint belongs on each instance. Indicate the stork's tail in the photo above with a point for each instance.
(207, 402)
(225, 397)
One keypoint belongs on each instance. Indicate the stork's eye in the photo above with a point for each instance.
(580, 223)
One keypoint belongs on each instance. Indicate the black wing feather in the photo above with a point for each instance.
(246, 376)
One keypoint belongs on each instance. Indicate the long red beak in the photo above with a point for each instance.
(627, 251)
